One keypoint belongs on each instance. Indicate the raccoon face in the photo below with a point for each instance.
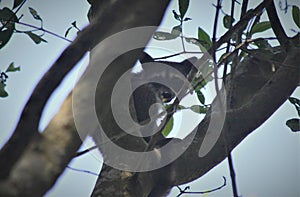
(164, 93)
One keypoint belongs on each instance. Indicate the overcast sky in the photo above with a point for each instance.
(267, 162)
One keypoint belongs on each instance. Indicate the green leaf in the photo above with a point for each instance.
(36, 38)
(68, 30)
(265, 53)
(260, 27)
(202, 84)
(294, 101)
(293, 124)
(187, 19)
(7, 18)
(198, 109)
(183, 6)
(200, 96)
(74, 24)
(3, 93)
(5, 36)
(194, 41)
(206, 71)
(176, 31)
(296, 15)
(262, 44)
(181, 107)
(6, 15)
(159, 35)
(91, 1)
(17, 3)
(204, 39)
(168, 128)
(34, 13)
(12, 68)
(176, 16)
(227, 21)
(227, 57)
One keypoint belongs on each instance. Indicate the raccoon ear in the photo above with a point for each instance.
(191, 60)
(145, 57)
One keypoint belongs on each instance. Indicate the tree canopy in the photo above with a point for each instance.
(252, 74)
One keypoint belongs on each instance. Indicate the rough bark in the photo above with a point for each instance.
(267, 91)
(46, 157)
(37, 160)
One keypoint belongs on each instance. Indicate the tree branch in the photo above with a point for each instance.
(277, 27)
(240, 25)
(89, 37)
(284, 81)
(45, 158)
(121, 15)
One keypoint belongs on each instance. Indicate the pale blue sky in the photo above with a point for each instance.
(267, 163)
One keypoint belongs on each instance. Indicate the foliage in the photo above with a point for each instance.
(4, 77)
(73, 26)
(168, 127)
(296, 15)
(245, 44)
(294, 123)
(9, 18)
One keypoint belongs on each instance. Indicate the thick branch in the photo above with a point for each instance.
(277, 27)
(30, 117)
(46, 158)
(118, 16)
(106, 23)
(240, 122)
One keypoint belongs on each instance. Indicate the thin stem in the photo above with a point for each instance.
(182, 41)
(81, 170)
(214, 39)
(85, 151)
(201, 192)
(215, 70)
(239, 25)
(232, 175)
(46, 31)
(229, 155)
(277, 27)
(228, 42)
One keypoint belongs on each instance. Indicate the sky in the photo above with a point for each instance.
(267, 162)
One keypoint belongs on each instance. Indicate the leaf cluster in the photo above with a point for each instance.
(9, 19)
(4, 77)
(294, 123)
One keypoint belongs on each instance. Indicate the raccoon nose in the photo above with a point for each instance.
(166, 97)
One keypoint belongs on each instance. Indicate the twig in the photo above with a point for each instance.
(44, 30)
(277, 27)
(232, 172)
(229, 155)
(214, 38)
(240, 25)
(203, 192)
(213, 52)
(228, 42)
(84, 171)
(85, 151)
(184, 52)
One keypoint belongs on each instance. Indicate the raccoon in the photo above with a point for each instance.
(155, 92)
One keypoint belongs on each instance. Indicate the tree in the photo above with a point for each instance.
(265, 73)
